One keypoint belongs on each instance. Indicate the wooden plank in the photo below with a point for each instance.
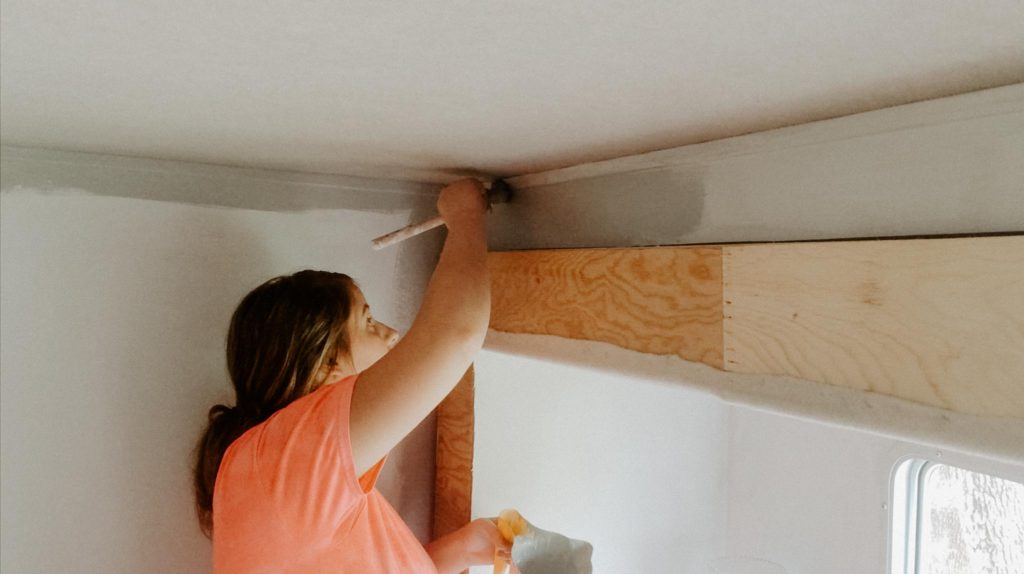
(937, 321)
(453, 486)
(665, 301)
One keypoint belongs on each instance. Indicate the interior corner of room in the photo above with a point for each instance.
(737, 305)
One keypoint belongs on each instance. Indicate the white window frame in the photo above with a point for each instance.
(905, 534)
(905, 486)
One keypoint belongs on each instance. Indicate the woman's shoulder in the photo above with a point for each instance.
(301, 454)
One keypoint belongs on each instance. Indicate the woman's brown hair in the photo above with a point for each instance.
(281, 335)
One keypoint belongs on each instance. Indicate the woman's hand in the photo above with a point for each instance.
(463, 201)
(481, 540)
(475, 544)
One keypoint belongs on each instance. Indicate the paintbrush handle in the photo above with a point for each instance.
(407, 232)
(498, 192)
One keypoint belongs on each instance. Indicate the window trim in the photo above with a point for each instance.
(906, 487)
(905, 517)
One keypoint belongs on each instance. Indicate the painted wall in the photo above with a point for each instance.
(662, 478)
(806, 496)
(636, 468)
(115, 312)
(947, 166)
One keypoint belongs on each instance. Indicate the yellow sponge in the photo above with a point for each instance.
(511, 524)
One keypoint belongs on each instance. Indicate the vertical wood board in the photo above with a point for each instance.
(453, 485)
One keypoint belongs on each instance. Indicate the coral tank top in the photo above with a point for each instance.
(287, 498)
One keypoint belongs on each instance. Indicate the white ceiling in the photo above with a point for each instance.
(386, 88)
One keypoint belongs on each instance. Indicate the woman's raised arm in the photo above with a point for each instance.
(397, 392)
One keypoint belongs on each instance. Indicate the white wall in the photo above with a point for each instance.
(636, 468)
(114, 317)
(811, 497)
(662, 478)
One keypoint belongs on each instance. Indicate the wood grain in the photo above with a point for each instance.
(665, 301)
(936, 321)
(453, 482)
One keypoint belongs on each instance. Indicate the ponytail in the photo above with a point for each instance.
(224, 425)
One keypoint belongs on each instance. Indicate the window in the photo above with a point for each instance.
(949, 520)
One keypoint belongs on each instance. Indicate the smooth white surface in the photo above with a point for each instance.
(948, 166)
(666, 479)
(362, 88)
(999, 438)
(816, 498)
(1005, 101)
(635, 468)
(115, 312)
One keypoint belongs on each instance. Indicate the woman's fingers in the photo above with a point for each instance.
(465, 199)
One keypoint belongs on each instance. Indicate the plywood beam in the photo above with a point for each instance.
(937, 322)
(666, 301)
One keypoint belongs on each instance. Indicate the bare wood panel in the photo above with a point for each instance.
(936, 321)
(665, 301)
(453, 483)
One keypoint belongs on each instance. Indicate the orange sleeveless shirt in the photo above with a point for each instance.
(287, 499)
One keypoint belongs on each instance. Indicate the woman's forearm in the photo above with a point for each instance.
(447, 555)
(475, 544)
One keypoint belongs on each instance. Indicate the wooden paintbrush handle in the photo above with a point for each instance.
(407, 232)
(498, 192)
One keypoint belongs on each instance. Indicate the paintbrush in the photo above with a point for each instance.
(498, 192)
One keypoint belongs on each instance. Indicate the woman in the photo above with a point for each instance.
(284, 480)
